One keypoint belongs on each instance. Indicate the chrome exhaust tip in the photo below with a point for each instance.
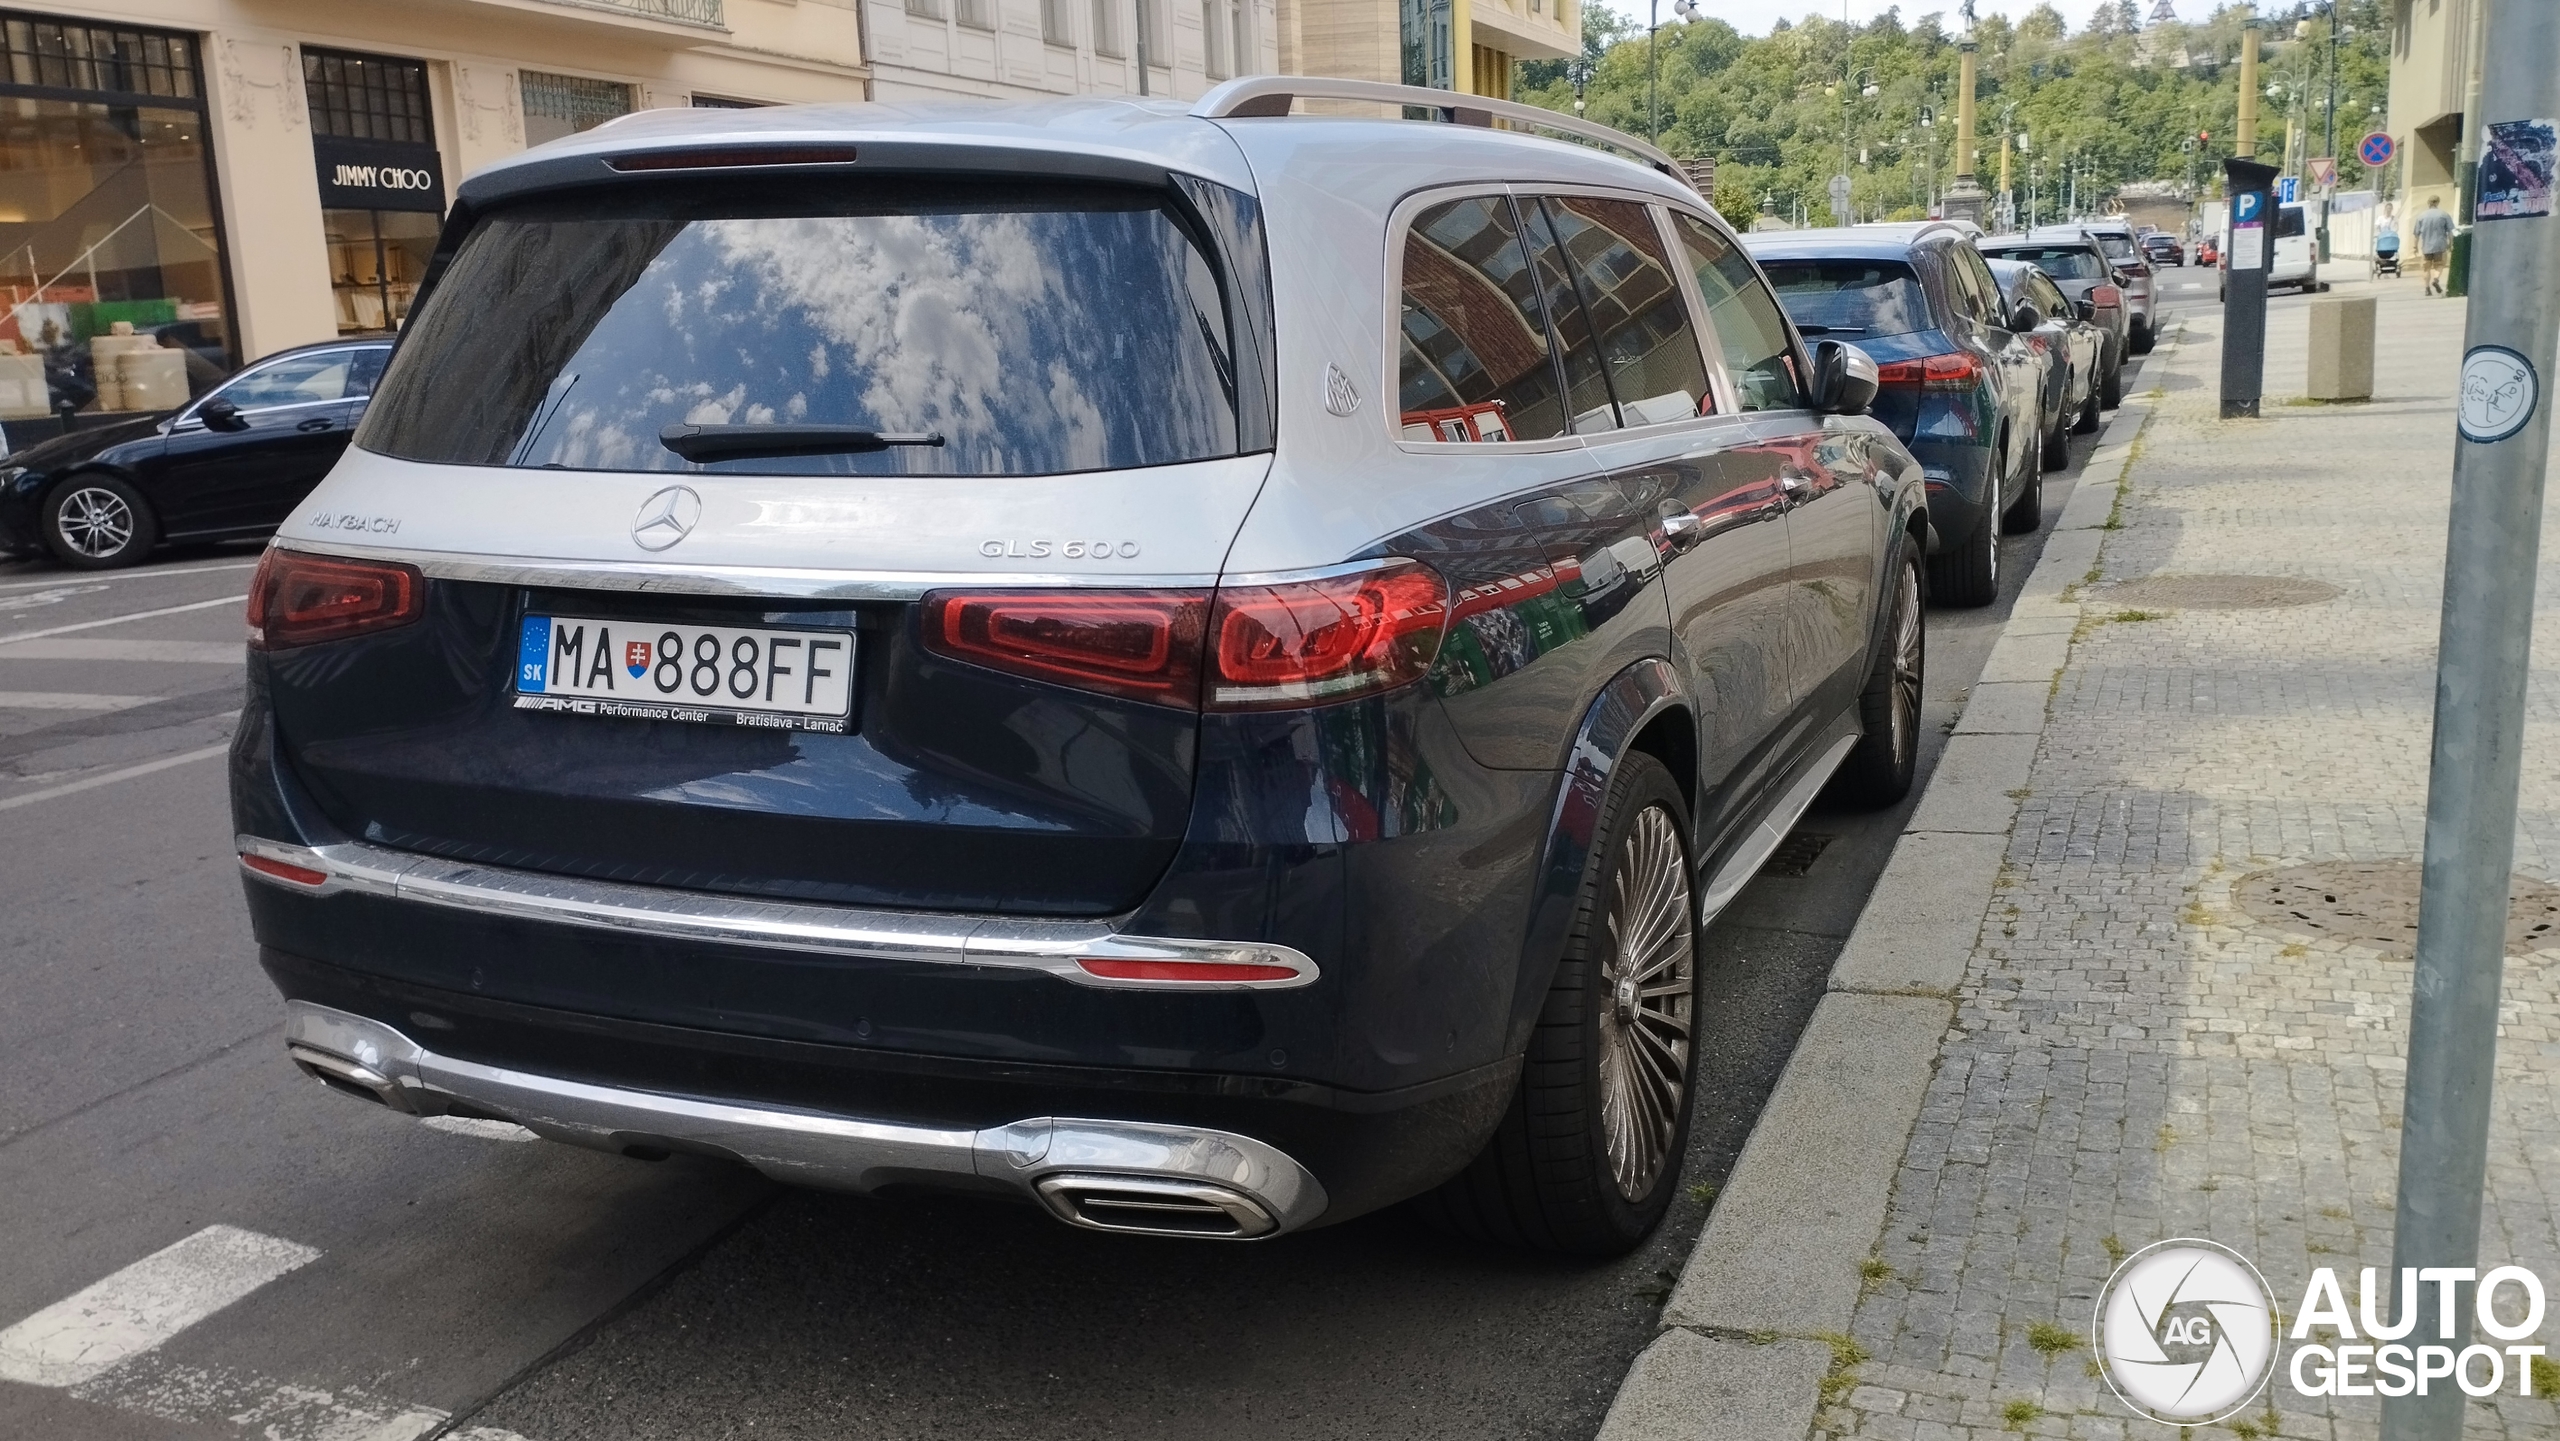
(1155, 1206)
(347, 1077)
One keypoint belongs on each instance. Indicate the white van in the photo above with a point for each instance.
(2296, 261)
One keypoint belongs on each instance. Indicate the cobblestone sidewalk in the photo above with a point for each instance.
(2134, 1057)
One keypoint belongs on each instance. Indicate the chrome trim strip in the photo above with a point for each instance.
(1755, 850)
(1050, 946)
(802, 1147)
(669, 578)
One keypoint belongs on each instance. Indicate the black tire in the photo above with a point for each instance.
(1549, 1178)
(2111, 390)
(1878, 771)
(1968, 572)
(97, 522)
(2057, 444)
(2142, 337)
(2027, 511)
(2089, 420)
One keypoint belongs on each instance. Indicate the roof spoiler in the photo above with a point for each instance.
(1270, 96)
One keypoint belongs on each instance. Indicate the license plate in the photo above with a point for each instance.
(709, 674)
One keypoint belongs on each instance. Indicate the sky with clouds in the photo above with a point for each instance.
(1754, 17)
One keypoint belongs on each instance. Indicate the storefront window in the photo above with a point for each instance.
(562, 105)
(381, 183)
(111, 264)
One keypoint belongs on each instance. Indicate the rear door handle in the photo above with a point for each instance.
(316, 423)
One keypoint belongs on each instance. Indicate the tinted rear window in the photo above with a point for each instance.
(2288, 222)
(1849, 297)
(2062, 263)
(1038, 331)
(2117, 247)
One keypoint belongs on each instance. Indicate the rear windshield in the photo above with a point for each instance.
(2117, 247)
(2060, 262)
(1849, 297)
(1034, 331)
(2288, 222)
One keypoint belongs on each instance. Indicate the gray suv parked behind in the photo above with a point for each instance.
(1198, 668)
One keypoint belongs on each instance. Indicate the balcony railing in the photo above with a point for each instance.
(709, 14)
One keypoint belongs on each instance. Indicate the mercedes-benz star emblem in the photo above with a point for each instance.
(666, 518)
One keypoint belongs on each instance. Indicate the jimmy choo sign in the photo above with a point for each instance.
(378, 175)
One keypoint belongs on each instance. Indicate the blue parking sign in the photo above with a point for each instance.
(2286, 185)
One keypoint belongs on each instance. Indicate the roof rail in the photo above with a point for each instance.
(1270, 96)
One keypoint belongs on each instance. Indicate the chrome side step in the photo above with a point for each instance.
(1136, 1176)
(1748, 857)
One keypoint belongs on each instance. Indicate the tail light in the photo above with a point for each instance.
(1956, 370)
(298, 599)
(2103, 296)
(1137, 644)
(1320, 640)
(1254, 646)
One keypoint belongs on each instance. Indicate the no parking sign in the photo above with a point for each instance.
(2376, 150)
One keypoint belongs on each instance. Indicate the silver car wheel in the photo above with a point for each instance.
(1648, 981)
(95, 521)
(1906, 662)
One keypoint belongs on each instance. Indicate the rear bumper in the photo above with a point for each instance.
(1105, 1174)
(1959, 477)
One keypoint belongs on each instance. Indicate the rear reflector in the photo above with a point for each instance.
(1138, 644)
(731, 157)
(1214, 972)
(284, 871)
(299, 599)
(1955, 370)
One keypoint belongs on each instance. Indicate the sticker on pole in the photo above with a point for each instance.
(2515, 169)
(2376, 150)
(2499, 393)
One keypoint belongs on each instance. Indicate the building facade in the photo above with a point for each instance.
(227, 180)
(963, 49)
(2434, 57)
(1471, 46)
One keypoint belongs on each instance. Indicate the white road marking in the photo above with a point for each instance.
(111, 777)
(143, 1305)
(53, 596)
(136, 575)
(68, 700)
(479, 1129)
(239, 600)
(260, 1406)
(184, 652)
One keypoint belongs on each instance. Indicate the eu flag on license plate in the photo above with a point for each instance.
(533, 655)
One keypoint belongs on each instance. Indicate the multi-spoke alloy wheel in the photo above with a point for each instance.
(1880, 770)
(1908, 660)
(1649, 978)
(95, 521)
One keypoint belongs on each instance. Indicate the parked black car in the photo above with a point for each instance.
(1955, 383)
(2077, 265)
(231, 465)
(2163, 249)
(2071, 344)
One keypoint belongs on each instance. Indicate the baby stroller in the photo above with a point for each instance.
(2386, 254)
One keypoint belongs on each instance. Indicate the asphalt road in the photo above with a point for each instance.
(390, 1280)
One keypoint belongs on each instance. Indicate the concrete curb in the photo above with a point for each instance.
(1759, 1322)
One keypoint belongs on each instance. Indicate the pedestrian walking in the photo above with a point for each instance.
(2435, 243)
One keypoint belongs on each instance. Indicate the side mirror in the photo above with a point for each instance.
(2025, 318)
(220, 414)
(2087, 308)
(1844, 378)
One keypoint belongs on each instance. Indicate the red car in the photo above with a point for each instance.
(2208, 253)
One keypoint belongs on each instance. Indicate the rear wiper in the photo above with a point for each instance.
(704, 444)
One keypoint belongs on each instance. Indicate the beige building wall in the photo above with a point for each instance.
(992, 49)
(475, 50)
(1363, 39)
(2430, 63)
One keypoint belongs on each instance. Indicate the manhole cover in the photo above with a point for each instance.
(1795, 855)
(2215, 592)
(2375, 903)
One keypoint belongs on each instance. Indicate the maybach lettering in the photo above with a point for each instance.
(2354, 1367)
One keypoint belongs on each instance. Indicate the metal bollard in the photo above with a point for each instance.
(2342, 348)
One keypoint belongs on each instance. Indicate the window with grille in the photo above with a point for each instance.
(977, 14)
(67, 55)
(1106, 28)
(367, 97)
(558, 105)
(925, 9)
(1056, 22)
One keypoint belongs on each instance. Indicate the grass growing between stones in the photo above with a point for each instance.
(1842, 1378)
(2546, 1377)
(2051, 1340)
(2018, 1415)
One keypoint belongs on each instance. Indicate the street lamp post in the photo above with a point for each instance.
(1687, 10)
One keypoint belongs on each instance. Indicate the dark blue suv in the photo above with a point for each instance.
(1957, 383)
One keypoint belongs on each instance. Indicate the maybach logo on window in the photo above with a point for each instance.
(2186, 1332)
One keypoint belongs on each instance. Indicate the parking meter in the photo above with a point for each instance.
(2246, 253)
